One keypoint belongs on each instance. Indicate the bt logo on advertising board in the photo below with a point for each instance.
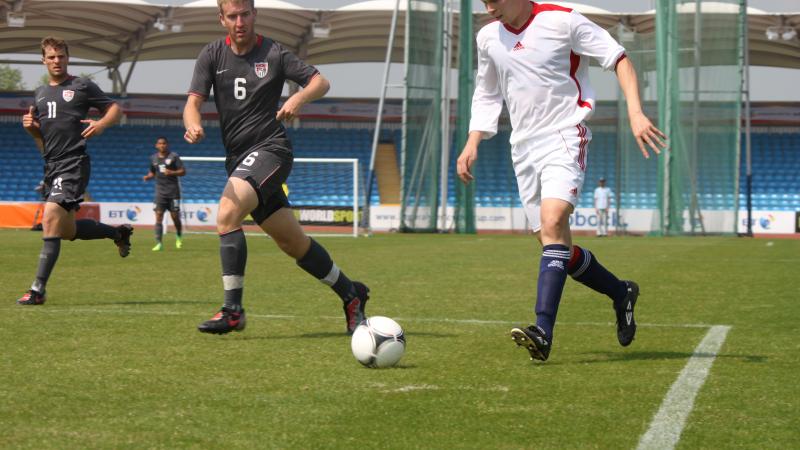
(202, 214)
(765, 222)
(131, 213)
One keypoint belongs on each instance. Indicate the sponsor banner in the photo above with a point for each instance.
(797, 222)
(387, 218)
(324, 215)
(142, 213)
(27, 214)
(770, 222)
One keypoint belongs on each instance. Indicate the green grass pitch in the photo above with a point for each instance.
(113, 360)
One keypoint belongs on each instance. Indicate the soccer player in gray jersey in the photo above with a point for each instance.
(59, 126)
(166, 167)
(247, 72)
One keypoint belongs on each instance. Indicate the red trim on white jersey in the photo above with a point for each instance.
(574, 62)
(541, 74)
(621, 57)
(536, 8)
(524, 25)
(542, 7)
(582, 147)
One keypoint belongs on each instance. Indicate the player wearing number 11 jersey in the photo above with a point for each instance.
(59, 126)
(247, 72)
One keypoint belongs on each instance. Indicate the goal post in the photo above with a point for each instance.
(324, 193)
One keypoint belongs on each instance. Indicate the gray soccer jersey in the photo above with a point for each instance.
(60, 109)
(247, 89)
(167, 187)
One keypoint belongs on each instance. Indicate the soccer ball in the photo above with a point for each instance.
(378, 342)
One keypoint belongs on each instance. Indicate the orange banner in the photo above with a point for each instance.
(27, 214)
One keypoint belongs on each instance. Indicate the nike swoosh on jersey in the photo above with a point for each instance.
(39, 99)
(223, 70)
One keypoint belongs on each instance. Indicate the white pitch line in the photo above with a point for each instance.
(135, 311)
(667, 425)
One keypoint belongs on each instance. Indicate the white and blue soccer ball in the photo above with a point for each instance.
(378, 342)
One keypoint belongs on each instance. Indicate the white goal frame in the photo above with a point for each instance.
(351, 161)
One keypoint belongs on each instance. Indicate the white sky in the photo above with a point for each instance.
(767, 83)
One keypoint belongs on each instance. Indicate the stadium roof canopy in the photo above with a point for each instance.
(111, 32)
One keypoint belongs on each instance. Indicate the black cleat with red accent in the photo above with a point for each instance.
(225, 321)
(32, 298)
(124, 241)
(354, 308)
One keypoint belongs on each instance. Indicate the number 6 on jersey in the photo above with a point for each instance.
(239, 91)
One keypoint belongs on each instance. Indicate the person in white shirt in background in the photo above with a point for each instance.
(602, 201)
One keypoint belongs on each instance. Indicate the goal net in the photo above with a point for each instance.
(324, 194)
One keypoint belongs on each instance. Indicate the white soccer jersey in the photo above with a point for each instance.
(602, 197)
(540, 70)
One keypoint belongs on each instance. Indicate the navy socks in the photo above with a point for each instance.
(552, 276)
(585, 268)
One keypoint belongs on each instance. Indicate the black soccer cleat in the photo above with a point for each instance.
(533, 339)
(626, 325)
(354, 308)
(124, 241)
(32, 298)
(224, 321)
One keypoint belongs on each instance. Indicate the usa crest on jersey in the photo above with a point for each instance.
(67, 94)
(261, 69)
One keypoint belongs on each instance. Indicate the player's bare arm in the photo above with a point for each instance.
(175, 173)
(468, 157)
(192, 120)
(643, 130)
(31, 125)
(315, 89)
(96, 127)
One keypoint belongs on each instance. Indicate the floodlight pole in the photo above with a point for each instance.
(379, 117)
(445, 113)
(747, 137)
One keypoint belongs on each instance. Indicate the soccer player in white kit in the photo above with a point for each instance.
(601, 202)
(535, 57)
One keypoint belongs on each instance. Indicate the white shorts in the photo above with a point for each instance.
(551, 166)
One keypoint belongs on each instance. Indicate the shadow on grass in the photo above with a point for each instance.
(603, 357)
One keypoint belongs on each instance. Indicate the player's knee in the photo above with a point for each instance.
(228, 219)
(554, 225)
(55, 227)
(294, 246)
